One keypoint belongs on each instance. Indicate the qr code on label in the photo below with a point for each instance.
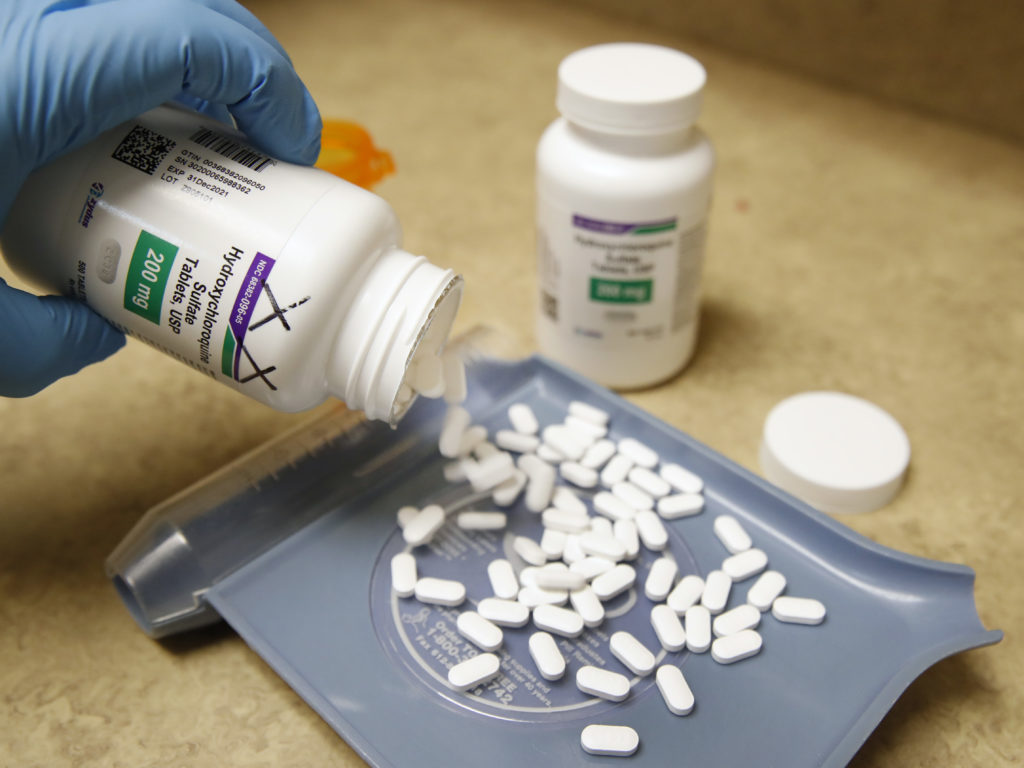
(143, 149)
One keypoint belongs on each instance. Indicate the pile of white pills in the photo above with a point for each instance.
(599, 501)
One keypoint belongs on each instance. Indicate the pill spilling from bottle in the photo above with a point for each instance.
(602, 502)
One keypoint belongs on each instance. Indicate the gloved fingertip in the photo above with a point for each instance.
(53, 337)
(218, 112)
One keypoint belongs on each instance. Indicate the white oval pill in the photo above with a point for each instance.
(631, 652)
(612, 507)
(481, 521)
(490, 472)
(649, 482)
(591, 566)
(533, 597)
(480, 631)
(436, 591)
(483, 449)
(716, 591)
(697, 621)
(680, 505)
(454, 377)
(549, 455)
(586, 603)
(614, 582)
(729, 531)
(565, 441)
(564, 567)
(745, 564)
(405, 514)
(586, 430)
(768, 586)
(660, 579)
(504, 613)
(527, 576)
(566, 500)
(455, 471)
(567, 522)
(632, 495)
(652, 530)
(530, 463)
(616, 469)
(456, 421)
(506, 493)
(731, 648)
(642, 455)
(503, 579)
(681, 479)
(403, 574)
(598, 454)
(668, 628)
(561, 579)
(736, 620)
(549, 660)
(573, 552)
(798, 610)
(511, 440)
(540, 485)
(609, 740)
(602, 544)
(553, 543)
(472, 672)
(589, 412)
(426, 375)
(529, 550)
(686, 593)
(561, 621)
(674, 689)
(602, 525)
(521, 416)
(577, 474)
(421, 529)
(471, 438)
(602, 683)
(626, 532)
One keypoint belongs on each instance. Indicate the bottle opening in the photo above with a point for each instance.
(407, 308)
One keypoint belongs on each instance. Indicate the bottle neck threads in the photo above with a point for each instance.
(404, 302)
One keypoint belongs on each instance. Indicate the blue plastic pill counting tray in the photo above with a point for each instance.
(316, 604)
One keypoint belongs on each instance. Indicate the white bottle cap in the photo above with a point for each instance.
(630, 88)
(836, 452)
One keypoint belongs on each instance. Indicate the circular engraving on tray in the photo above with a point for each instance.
(423, 639)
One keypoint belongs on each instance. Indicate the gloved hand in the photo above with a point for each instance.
(71, 70)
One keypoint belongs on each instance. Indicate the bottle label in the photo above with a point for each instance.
(177, 241)
(618, 280)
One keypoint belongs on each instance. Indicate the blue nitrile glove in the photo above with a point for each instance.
(72, 69)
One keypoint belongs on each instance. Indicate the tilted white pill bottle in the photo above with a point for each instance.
(623, 193)
(282, 281)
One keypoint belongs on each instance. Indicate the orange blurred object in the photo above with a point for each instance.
(347, 150)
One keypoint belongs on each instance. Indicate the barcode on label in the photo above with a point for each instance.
(143, 149)
(225, 146)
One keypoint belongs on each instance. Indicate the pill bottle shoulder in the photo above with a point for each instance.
(573, 159)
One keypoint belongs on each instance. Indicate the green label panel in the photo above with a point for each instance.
(147, 276)
(227, 355)
(621, 291)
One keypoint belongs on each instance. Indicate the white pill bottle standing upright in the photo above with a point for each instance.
(282, 281)
(623, 193)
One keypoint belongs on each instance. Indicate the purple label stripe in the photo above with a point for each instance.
(622, 228)
(245, 302)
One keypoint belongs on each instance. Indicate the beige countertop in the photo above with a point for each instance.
(853, 246)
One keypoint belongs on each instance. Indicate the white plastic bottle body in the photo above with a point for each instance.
(621, 227)
(279, 280)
